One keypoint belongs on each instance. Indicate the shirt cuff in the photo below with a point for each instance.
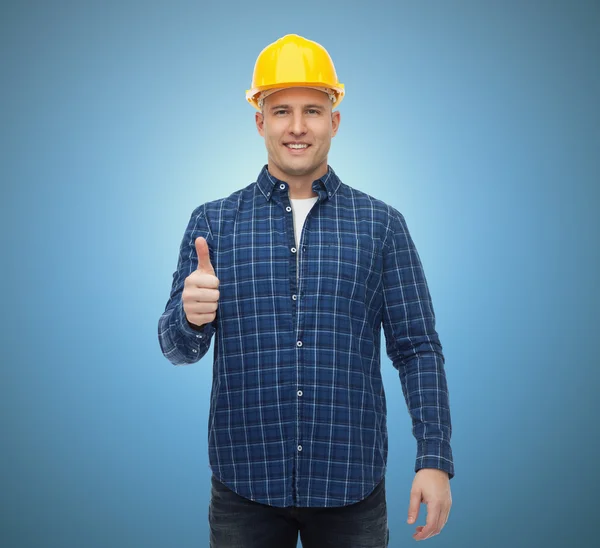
(435, 454)
(203, 333)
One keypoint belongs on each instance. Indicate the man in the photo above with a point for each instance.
(294, 276)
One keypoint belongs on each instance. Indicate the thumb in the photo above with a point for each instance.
(414, 505)
(204, 264)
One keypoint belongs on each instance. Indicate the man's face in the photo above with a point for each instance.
(302, 117)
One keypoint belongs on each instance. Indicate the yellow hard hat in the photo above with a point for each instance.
(293, 61)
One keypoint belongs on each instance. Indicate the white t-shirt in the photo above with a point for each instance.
(300, 209)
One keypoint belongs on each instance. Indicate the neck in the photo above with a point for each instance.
(302, 190)
(300, 185)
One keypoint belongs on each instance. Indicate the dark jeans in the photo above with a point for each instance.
(236, 522)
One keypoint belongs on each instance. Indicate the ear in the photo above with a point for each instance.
(259, 118)
(335, 122)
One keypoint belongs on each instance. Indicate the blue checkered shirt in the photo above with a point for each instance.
(297, 410)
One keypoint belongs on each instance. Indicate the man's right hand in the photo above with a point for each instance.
(200, 291)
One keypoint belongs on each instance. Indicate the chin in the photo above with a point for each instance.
(301, 168)
(298, 171)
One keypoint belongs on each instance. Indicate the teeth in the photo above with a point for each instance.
(291, 145)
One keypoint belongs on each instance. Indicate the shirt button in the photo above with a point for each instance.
(294, 297)
(293, 250)
(199, 336)
(299, 392)
(194, 351)
(288, 209)
(299, 448)
(299, 344)
(281, 186)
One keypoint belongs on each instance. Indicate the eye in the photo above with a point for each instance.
(278, 112)
(312, 111)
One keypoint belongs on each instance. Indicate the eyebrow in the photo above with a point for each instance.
(314, 105)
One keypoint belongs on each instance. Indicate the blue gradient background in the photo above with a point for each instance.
(479, 121)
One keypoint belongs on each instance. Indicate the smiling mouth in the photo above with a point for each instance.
(296, 146)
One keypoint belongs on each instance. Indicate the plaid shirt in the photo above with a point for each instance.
(298, 412)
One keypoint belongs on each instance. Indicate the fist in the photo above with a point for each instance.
(200, 290)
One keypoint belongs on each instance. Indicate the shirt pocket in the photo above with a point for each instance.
(347, 265)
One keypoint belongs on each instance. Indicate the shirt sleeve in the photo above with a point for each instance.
(181, 342)
(413, 345)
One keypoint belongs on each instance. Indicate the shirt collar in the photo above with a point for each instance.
(326, 186)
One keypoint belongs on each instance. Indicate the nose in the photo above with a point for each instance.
(297, 124)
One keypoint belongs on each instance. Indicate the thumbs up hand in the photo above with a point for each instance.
(204, 264)
(200, 291)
